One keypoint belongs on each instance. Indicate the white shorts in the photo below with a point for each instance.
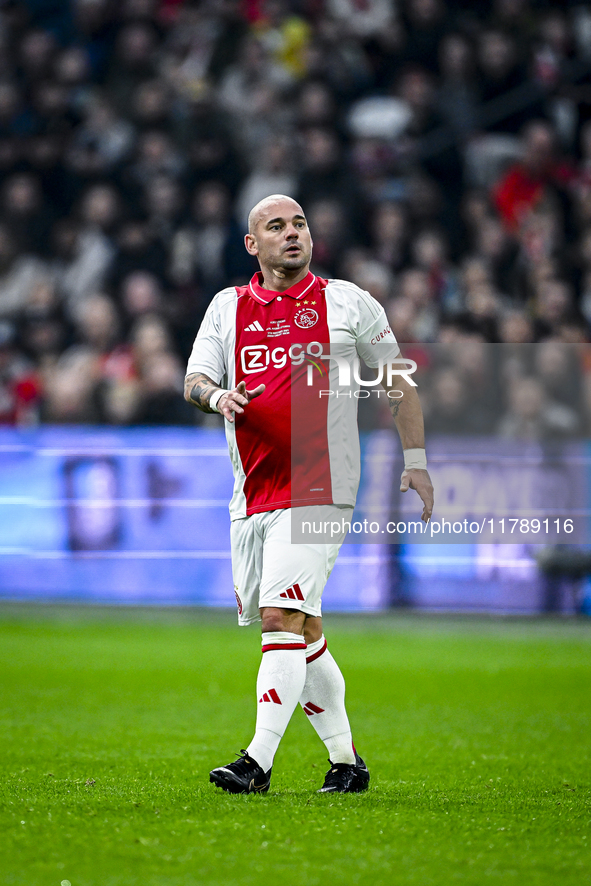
(269, 570)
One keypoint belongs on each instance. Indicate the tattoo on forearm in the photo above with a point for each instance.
(198, 389)
(394, 407)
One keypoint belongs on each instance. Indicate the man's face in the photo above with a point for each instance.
(538, 149)
(280, 237)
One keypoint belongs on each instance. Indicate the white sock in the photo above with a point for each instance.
(280, 681)
(323, 700)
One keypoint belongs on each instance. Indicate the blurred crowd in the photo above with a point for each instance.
(521, 391)
(441, 151)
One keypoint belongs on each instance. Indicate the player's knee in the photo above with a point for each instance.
(312, 629)
(274, 619)
(272, 622)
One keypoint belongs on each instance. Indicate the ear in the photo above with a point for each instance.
(251, 244)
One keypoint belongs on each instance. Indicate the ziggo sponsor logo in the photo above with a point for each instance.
(256, 358)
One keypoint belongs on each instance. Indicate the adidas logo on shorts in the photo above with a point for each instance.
(293, 593)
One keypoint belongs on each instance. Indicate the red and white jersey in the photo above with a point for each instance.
(295, 444)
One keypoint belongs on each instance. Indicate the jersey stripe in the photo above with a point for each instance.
(282, 436)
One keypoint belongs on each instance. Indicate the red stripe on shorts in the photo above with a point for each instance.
(298, 592)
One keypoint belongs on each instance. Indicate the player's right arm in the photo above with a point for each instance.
(199, 390)
(208, 361)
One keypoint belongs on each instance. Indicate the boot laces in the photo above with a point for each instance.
(243, 765)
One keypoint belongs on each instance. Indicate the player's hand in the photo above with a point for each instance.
(236, 399)
(419, 480)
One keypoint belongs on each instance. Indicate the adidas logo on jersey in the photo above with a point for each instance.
(254, 327)
(271, 695)
(310, 709)
(293, 593)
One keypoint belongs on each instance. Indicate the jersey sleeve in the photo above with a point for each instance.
(207, 355)
(375, 340)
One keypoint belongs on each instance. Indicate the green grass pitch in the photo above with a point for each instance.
(477, 734)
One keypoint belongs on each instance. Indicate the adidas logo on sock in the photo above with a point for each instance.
(293, 593)
(271, 695)
(310, 708)
(254, 327)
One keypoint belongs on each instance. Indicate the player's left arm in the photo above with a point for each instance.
(374, 338)
(408, 418)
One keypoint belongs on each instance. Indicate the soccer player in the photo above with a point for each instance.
(245, 361)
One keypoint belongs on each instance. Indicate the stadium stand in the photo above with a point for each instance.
(442, 151)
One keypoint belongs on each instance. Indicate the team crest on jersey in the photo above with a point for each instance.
(306, 318)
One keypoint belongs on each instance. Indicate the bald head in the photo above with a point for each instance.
(279, 237)
(266, 205)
